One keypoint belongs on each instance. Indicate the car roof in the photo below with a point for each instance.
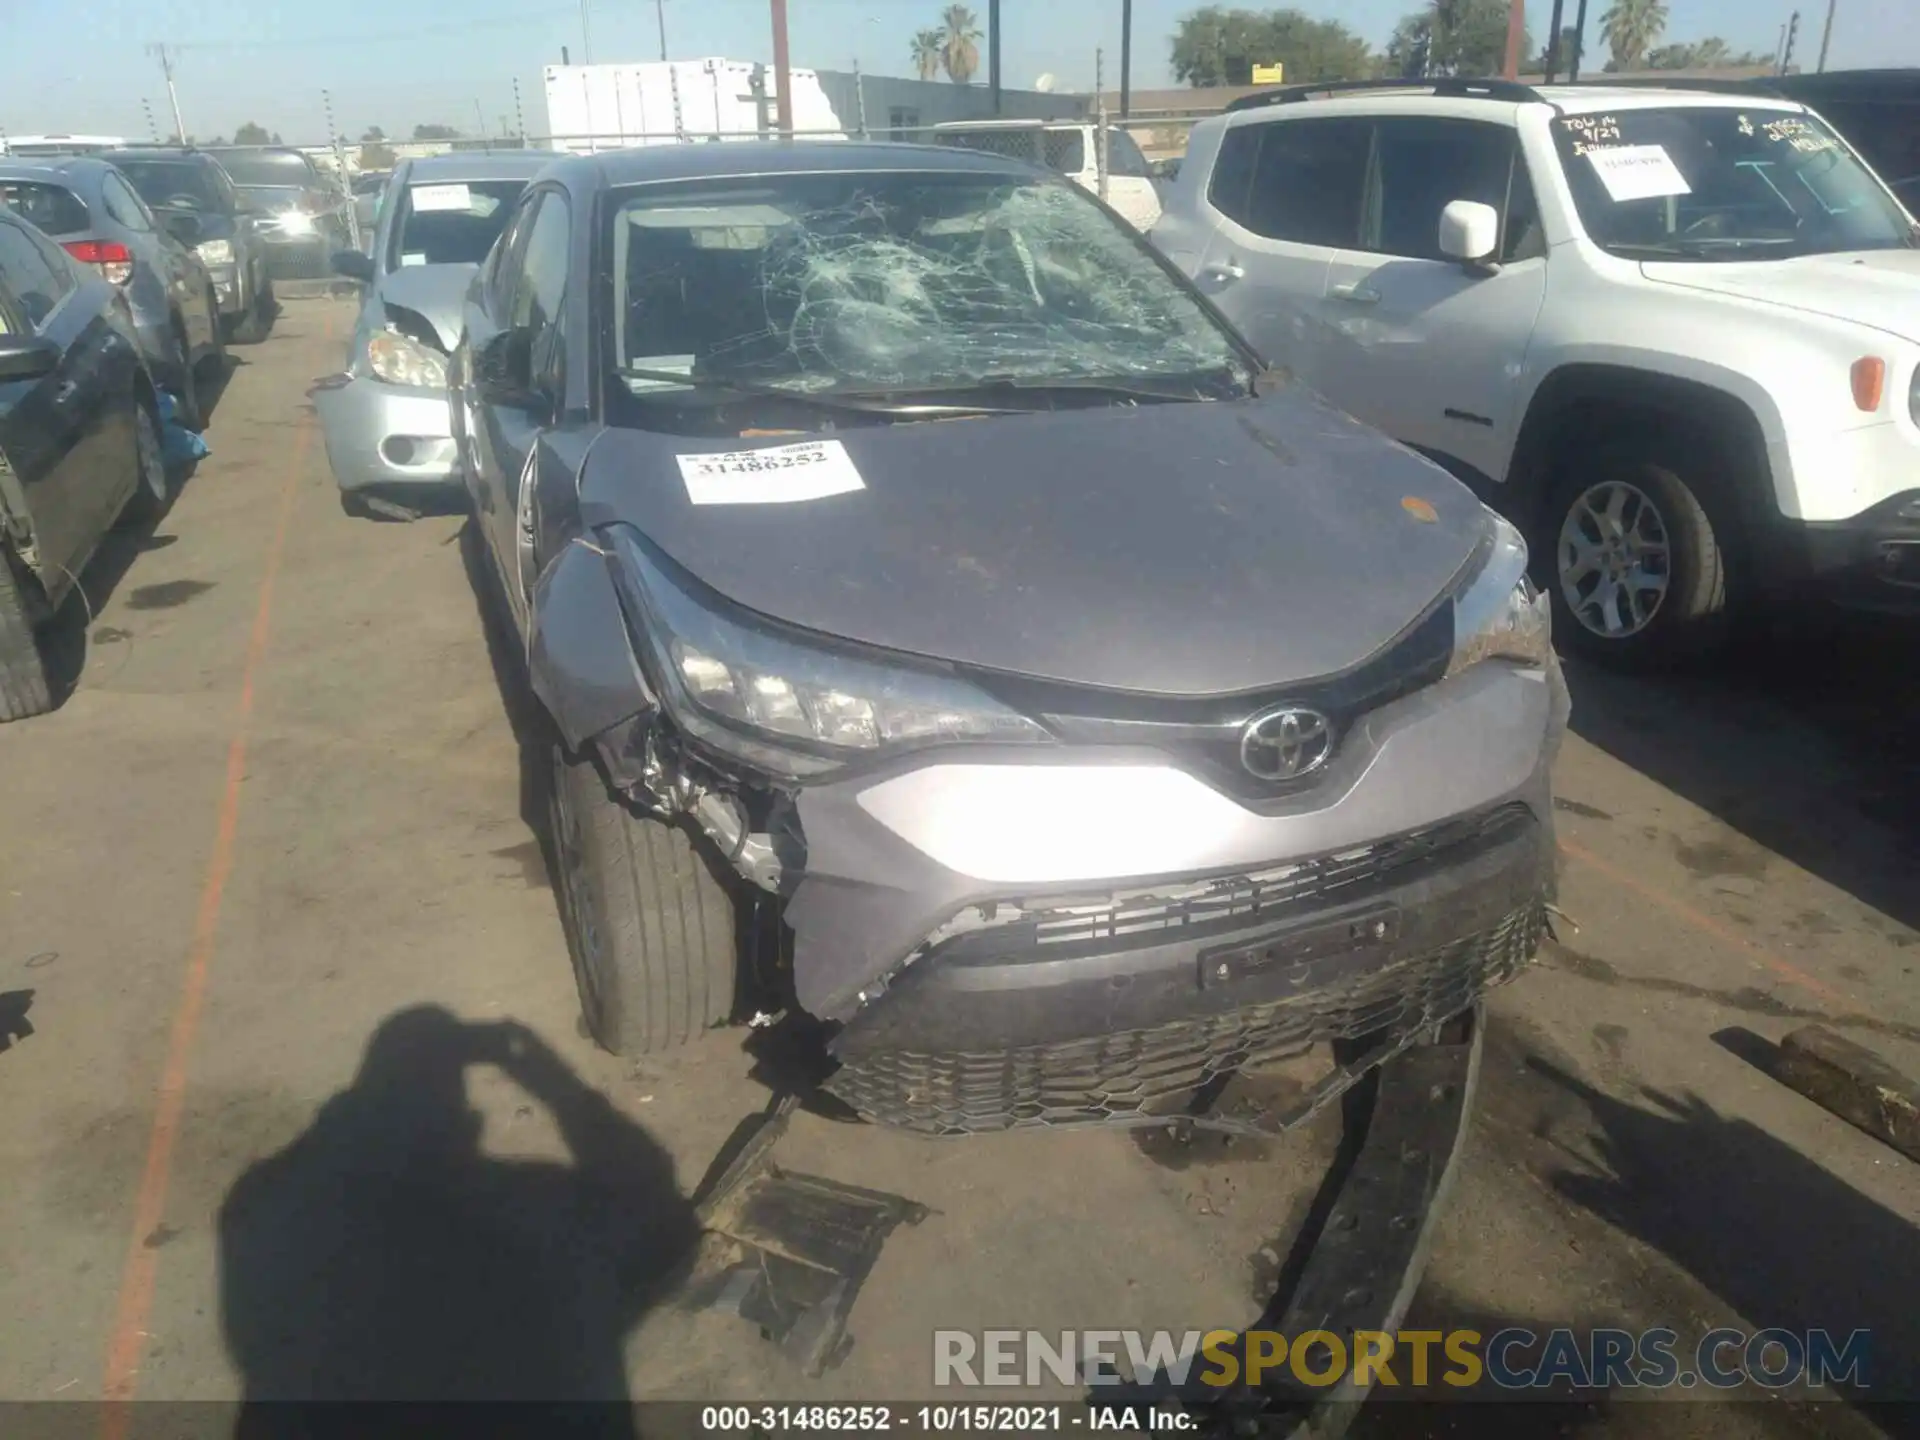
(61, 169)
(480, 165)
(173, 154)
(1063, 122)
(775, 157)
(1469, 98)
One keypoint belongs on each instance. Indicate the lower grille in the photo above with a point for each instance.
(1144, 1072)
(300, 260)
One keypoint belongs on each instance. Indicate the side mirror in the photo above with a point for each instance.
(354, 265)
(183, 227)
(503, 371)
(27, 357)
(1469, 232)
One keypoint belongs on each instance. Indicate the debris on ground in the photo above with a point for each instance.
(1855, 1084)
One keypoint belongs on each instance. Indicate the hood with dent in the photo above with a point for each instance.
(433, 292)
(1876, 288)
(1180, 549)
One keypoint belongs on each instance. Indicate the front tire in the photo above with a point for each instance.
(24, 685)
(651, 930)
(1635, 563)
(258, 319)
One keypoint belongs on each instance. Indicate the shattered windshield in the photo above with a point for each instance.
(863, 282)
(1713, 183)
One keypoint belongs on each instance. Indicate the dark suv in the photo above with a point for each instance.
(231, 241)
(306, 214)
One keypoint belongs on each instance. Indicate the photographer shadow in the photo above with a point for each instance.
(383, 1255)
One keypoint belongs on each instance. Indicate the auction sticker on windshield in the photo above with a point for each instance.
(1638, 172)
(441, 197)
(776, 475)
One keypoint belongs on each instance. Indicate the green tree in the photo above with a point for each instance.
(1712, 53)
(435, 132)
(929, 52)
(1453, 37)
(375, 153)
(1217, 46)
(252, 134)
(1563, 58)
(960, 51)
(1631, 28)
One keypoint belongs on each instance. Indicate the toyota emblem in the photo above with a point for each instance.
(1287, 743)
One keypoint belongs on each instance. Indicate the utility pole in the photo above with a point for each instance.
(519, 116)
(1826, 35)
(153, 129)
(1553, 40)
(1100, 114)
(782, 72)
(1793, 37)
(1516, 35)
(993, 53)
(1126, 58)
(586, 36)
(1579, 43)
(173, 94)
(660, 14)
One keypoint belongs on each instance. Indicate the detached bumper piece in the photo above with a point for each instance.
(1383, 964)
(1364, 1249)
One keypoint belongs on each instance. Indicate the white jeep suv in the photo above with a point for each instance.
(1675, 335)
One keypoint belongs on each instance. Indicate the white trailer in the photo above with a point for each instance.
(665, 102)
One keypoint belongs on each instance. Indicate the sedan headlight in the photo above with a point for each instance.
(1498, 615)
(215, 252)
(790, 705)
(401, 360)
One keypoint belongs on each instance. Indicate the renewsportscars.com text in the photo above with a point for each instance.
(1510, 1359)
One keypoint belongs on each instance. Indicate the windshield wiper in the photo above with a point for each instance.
(1153, 389)
(844, 401)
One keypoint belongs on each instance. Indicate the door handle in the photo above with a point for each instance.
(1222, 274)
(1356, 294)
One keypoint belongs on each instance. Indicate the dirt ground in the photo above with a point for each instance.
(269, 898)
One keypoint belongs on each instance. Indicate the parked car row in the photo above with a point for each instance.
(123, 274)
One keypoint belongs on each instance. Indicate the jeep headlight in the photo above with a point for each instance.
(295, 222)
(401, 360)
(215, 252)
(1498, 614)
(793, 705)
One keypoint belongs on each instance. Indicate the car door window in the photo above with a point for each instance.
(539, 291)
(123, 205)
(1309, 181)
(1123, 155)
(1421, 165)
(32, 277)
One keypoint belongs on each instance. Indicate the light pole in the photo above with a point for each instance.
(173, 93)
(1516, 32)
(586, 36)
(783, 74)
(660, 14)
(1826, 35)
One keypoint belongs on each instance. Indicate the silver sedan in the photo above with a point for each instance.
(385, 416)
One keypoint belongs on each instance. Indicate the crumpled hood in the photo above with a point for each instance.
(432, 291)
(1876, 288)
(1183, 549)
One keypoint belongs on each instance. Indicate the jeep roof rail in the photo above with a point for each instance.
(1451, 86)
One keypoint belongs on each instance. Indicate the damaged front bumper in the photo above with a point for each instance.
(387, 437)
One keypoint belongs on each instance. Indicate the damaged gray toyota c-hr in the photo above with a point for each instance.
(902, 551)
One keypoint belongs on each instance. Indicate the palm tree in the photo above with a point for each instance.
(1631, 28)
(961, 55)
(929, 47)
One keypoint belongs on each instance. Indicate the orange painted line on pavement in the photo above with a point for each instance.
(1704, 922)
(126, 1341)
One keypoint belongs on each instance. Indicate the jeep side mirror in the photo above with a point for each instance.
(1469, 232)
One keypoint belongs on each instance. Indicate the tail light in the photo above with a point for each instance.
(113, 258)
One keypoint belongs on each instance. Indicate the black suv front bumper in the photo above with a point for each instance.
(977, 1037)
(1870, 561)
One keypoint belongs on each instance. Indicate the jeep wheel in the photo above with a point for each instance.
(24, 689)
(649, 927)
(1635, 567)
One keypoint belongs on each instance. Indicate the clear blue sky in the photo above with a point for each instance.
(83, 67)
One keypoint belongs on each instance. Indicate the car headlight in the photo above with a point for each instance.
(788, 705)
(295, 222)
(1913, 396)
(215, 252)
(401, 360)
(1498, 615)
